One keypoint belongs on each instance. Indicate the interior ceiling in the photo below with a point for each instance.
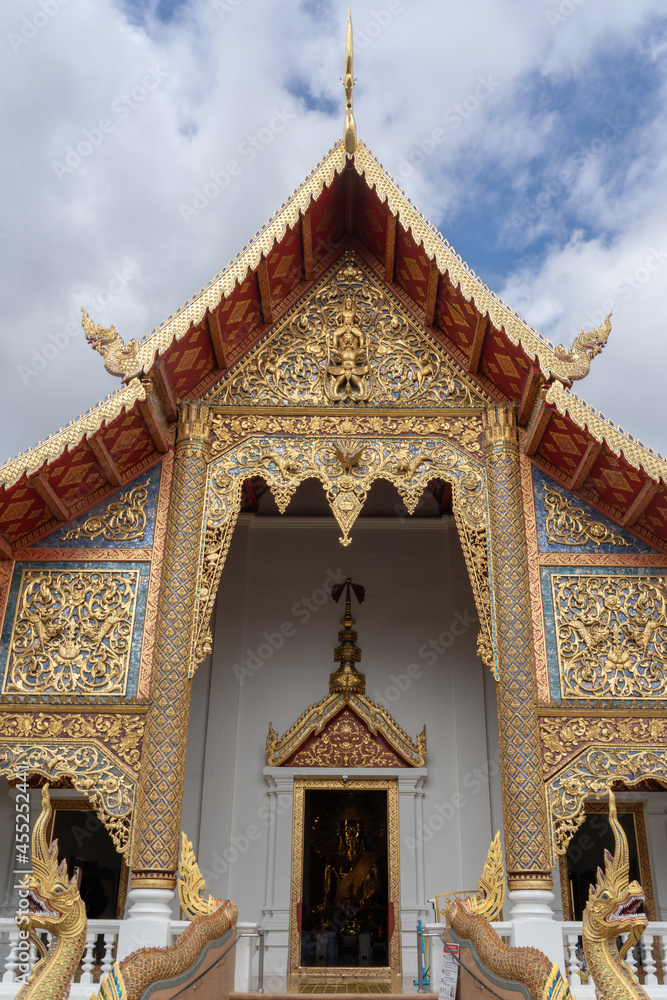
(383, 501)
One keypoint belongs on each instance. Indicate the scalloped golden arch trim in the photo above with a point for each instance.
(591, 775)
(408, 451)
(109, 790)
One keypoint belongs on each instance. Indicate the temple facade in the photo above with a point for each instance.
(341, 580)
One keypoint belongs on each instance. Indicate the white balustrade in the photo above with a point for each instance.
(109, 948)
(654, 941)
(572, 960)
(648, 961)
(11, 960)
(90, 971)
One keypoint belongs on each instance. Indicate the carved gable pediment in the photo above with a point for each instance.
(346, 741)
(349, 343)
(345, 730)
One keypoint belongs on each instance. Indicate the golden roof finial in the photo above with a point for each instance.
(347, 678)
(348, 81)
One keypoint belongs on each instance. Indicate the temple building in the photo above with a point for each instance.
(342, 578)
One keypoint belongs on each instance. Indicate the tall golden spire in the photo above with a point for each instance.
(348, 81)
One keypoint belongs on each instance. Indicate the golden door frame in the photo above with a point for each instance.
(389, 975)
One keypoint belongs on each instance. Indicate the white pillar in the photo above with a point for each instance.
(413, 892)
(146, 923)
(534, 925)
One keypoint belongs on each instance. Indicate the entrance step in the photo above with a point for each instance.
(347, 992)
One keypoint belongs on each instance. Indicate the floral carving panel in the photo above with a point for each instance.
(609, 635)
(72, 632)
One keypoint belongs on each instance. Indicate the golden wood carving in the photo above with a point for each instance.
(567, 524)
(576, 362)
(119, 360)
(72, 632)
(374, 719)
(438, 250)
(564, 736)
(349, 344)
(390, 975)
(348, 81)
(592, 773)
(229, 428)
(121, 733)
(155, 850)
(524, 806)
(346, 728)
(611, 635)
(347, 467)
(346, 742)
(90, 769)
(124, 520)
(191, 885)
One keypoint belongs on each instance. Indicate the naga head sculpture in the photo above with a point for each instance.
(99, 337)
(56, 905)
(615, 905)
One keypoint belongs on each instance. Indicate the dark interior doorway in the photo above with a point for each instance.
(585, 854)
(345, 917)
(86, 845)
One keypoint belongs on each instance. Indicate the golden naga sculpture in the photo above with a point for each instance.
(470, 919)
(488, 902)
(210, 920)
(348, 81)
(119, 360)
(576, 362)
(59, 910)
(615, 906)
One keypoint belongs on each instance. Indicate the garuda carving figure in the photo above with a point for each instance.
(615, 907)
(59, 910)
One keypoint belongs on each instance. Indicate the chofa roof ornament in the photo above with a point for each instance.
(119, 360)
(575, 364)
(348, 81)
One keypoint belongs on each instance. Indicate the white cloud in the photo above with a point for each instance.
(110, 233)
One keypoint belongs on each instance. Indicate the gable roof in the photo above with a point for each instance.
(345, 201)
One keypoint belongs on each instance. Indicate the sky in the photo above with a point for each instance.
(531, 133)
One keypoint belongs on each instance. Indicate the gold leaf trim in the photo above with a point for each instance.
(314, 719)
